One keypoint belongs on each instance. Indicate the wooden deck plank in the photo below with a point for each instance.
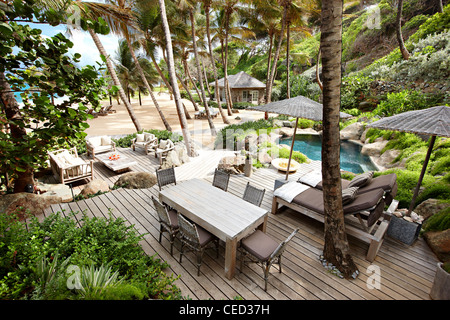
(407, 272)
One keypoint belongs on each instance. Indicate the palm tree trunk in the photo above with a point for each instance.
(401, 44)
(336, 248)
(188, 92)
(269, 85)
(144, 79)
(319, 82)
(213, 63)
(225, 64)
(288, 63)
(116, 81)
(173, 79)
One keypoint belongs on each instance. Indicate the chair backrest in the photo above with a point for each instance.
(253, 194)
(165, 177)
(188, 232)
(282, 246)
(162, 212)
(221, 179)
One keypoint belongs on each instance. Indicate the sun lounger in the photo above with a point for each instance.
(365, 218)
(386, 182)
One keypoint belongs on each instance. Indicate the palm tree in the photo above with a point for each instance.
(336, 248)
(207, 7)
(173, 78)
(120, 19)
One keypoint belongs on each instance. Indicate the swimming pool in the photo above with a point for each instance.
(351, 158)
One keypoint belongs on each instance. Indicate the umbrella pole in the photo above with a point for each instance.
(292, 149)
(422, 174)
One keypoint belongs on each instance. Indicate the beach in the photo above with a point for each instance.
(120, 123)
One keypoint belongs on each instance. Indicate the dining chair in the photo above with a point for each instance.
(265, 250)
(253, 195)
(221, 179)
(196, 239)
(168, 222)
(166, 176)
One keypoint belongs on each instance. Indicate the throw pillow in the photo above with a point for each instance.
(106, 141)
(349, 194)
(140, 137)
(361, 180)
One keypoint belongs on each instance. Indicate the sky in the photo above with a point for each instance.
(83, 43)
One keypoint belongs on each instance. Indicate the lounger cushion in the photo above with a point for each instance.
(313, 200)
(386, 182)
(361, 180)
(260, 245)
(349, 194)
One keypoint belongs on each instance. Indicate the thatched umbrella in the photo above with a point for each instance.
(298, 107)
(433, 121)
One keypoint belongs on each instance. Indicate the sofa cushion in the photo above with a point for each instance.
(361, 180)
(106, 141)
(95, 141)
(140, 137)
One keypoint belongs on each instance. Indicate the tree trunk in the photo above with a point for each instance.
(288, 63)
(269, 63)
(213, 63)
(336, 248)
(173, 79)
(225, 64)
(269, 85)
(319, 82)
(116, 81)
(401, 44)
(144, 79)
(18, 133)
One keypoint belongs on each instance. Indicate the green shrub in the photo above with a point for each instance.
(125, 142)
(435, 191)
(355, 89)
(242, 105)
(28, 267)
(435, 24)
(438, 222)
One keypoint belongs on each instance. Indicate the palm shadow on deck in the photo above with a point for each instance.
(406, 272)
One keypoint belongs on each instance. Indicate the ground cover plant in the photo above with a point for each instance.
(99, 259)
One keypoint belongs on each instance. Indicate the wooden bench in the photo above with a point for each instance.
(68, 167)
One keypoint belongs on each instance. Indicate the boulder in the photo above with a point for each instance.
(232, 164)
(176, 157)
(264, 157)
(352, 132)
(374, 149)
(430, 206)
(56, 189)
(23, 203)
(94, 187)
(439, 242)
(386, 160)
(286, 132)
(136, 180)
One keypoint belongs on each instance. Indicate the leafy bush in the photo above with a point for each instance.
(435, 24)
(125, 142)
(29, 267)
(355, 89)
(242, 105)
(435, 191)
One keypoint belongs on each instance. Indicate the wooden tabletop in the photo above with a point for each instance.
(122, 163)
(219, 212)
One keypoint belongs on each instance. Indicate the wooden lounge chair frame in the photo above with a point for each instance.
(355, 224)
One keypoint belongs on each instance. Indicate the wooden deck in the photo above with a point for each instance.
(406, 272)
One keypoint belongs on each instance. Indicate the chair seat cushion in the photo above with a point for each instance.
(173, 218)
(204, 235)
(260, 245)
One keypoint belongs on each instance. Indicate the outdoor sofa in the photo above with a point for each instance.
(364, 211)
(100, 144)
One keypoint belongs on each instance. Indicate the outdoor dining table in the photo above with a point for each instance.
(225, 215)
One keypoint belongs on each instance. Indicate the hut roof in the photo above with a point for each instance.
(241, 80)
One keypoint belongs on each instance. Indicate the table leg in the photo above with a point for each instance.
(263, 225)
(230, 258)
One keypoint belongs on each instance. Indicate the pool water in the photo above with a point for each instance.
(351, 158)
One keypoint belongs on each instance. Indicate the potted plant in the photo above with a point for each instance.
(441, 285)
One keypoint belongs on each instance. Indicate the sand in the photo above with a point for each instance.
(120, 122)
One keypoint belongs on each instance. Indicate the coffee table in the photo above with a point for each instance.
(122, 164)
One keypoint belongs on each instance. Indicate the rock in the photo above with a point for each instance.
(59, 190)
(374, 149)
(24, 203)
(386, 160)
(136, 180)
(288, 124)
(352, 132)
(232, 164)
(286, 132)
(94, 187)
(176, 157)
(439, 242)
(429, 207)
(263, 157)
